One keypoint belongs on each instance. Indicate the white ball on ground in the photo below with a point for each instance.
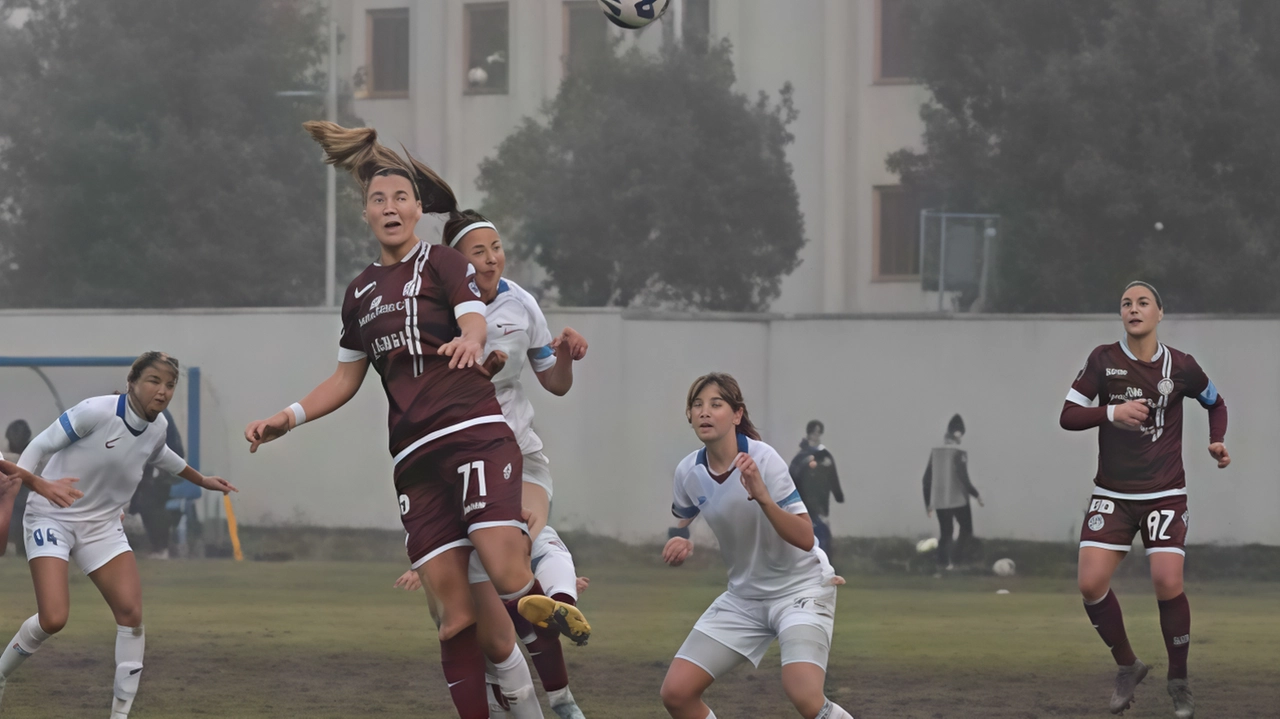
(1159, 226)
(1004, 567)
(927, 545)
(1002, 591)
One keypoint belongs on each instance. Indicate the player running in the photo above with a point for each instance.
(1132, 391)
(780, 583)
(105, 442)
(416, 316)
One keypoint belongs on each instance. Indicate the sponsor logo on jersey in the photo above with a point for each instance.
(1102, 506)
(1133, 392)
(1096, 522)
(383, 345)
(360, 292)
(375, 301)
(376, 310)
(111, 443)
(1113, 372)
(1165, 386)
(474, 506)
(506, 471)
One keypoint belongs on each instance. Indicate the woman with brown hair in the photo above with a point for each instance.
(417, 317)
(780, 583)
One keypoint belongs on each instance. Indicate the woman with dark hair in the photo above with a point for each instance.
(105, 442)
(1132, 391)
(13, 499)
(780, 583)
(416, 316)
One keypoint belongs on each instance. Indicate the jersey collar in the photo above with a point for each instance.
(702, 453)
(1124, 345)
(125, 412)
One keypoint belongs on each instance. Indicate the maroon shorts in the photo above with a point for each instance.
(1111, 523)
(458, 484)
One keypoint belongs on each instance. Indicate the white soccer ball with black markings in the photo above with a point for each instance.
(927, 545)
(1004, 567)
(633, 14)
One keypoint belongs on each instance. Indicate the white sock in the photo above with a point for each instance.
(561, 697)
(25, 643)
(494, 691)
(517, 686)
(131, 643)
(710, 714)
(831, 710)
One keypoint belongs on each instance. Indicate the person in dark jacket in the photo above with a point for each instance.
(18, 435)
(813, 470)
(152, 495)
(947, 490)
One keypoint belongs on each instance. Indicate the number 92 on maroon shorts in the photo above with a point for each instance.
(1111, 523)
(460, 483)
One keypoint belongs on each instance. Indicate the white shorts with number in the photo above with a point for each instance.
(749, 626)
(537, 470)
(90, 544)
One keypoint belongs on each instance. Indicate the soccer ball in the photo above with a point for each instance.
(633, 14)
(1004, 567)
(927, 545)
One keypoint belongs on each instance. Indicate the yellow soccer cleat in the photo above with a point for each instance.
(546, 612)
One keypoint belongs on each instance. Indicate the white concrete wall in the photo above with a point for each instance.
(884, 387)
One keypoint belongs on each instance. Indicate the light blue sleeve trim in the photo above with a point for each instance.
(65, 421)
(1209, 396)
(685, 512)
(542, 352)
(790, 499)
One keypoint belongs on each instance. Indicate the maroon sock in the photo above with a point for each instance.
(548, 658)
(463, 663)
(1175, 624)
(1109, 622)
(523, 628)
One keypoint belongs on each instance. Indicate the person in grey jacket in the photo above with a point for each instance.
(947, 490)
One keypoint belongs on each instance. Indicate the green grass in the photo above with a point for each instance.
(333, 639)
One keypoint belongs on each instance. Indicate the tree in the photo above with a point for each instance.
(649, 181)
(1085, 123)
(146, 158)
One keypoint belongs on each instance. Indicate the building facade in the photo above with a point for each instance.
(450, 79)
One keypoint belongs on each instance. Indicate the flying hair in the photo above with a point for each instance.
(1140, 283)
(731, 393)
(358, 151)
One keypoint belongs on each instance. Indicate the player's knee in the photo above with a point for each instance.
(1167, 587)
(807, 703)
(511, 579)
(53, 622)
(675, 695)
(1093, 588)
(129, 616)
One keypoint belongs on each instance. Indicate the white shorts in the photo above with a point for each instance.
(90, 544)
(537, 470)
(551, 562)
(749, 626)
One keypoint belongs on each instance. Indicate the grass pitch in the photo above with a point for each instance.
(333, 639)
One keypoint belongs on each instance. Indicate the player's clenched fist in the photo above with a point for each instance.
(676, 551)
(1131, 415)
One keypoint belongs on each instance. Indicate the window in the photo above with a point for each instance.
(697, 22)
(897, 233)
(488, 55)
(586, 33)
(388, 56)
(896, 51)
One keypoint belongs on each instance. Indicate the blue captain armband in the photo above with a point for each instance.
(65, 421)
(684, 512)
(1209, 396)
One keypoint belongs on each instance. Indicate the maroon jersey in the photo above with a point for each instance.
(398, 316)
(1150, 460)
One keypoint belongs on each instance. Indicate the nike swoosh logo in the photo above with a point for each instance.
(509, 331)
(454, 684)
(360, 292)
(111, 444)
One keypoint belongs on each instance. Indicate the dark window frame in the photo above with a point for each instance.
(468, 9)
(372, 17)
(904, 77)
(906, 256)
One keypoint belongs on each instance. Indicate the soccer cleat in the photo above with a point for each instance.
(545, 612)
(1127, 680)
(564, 705)
(1183, 706)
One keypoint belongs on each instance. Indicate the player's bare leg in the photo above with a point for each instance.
(504, 551)
(804, 684)
(53, 606)
(460, 655)
(1175, 625)
(682, 690)
(1096, 567)
(538, 506)
(121, 587)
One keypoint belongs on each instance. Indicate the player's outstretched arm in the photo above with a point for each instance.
(328, 396)
(216, 484)
(466, 350)
(62, 492)
(569, 347)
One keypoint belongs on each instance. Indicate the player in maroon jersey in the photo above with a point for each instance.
(417, 317)
(1132, 391)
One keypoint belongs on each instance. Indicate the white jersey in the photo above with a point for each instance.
(104, 444)
(518, 328)
(762, 565)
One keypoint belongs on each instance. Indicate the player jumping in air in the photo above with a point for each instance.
(105, 442)
(417, 317)
(1132, 391)
(780, 583)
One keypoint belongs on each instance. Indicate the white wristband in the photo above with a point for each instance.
(1111, 413)
(299, 414)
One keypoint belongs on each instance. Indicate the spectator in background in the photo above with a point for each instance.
(14, 503)
(152, 496)
(814, 472)
(947, 490)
